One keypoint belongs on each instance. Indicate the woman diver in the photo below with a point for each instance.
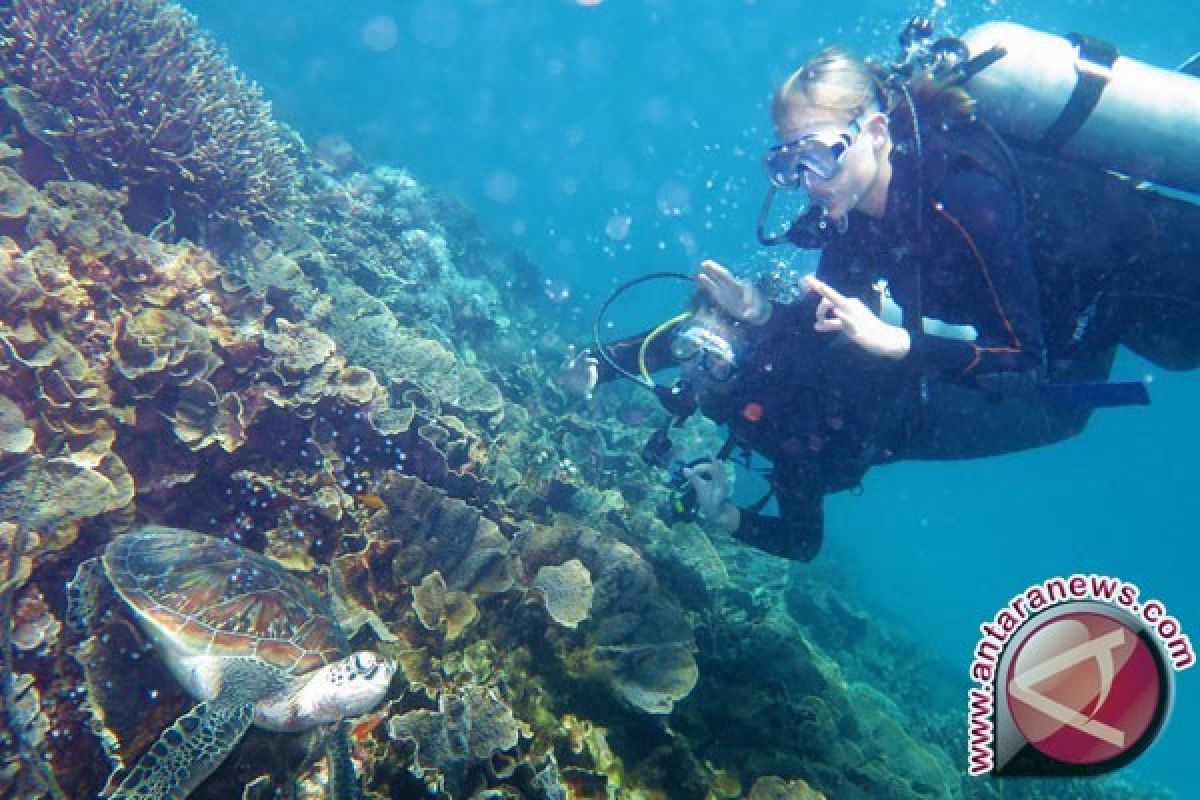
(1052, 264)
(911, 188)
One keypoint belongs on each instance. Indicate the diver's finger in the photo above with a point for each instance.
(823, 308)
(832, 324)
(825, 290)
(707, 284)
(715, 269)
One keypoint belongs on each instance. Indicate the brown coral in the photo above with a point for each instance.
(34, 625)
(442, 533)
(204, 416)
(567, 591)
(167, 344)
(16, 195)
(57, 491)
(439, 373)
(771, 787)
(15, 434)
(309, 368)
(15, 568)
(635, 636)
(438, 607)
(469, 727)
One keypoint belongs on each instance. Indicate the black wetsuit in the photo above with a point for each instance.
(1047, 260)
(955, 252)
(1053, 264)
(824, 411)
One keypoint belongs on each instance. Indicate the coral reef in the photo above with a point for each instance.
(107, 332)
(635, 636)
(364, 392)
(130, 94)
(469, 727)
(567, 591)
(772, 787)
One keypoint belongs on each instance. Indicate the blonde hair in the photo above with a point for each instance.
(832, 80)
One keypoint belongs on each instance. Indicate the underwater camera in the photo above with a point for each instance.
(682, 505)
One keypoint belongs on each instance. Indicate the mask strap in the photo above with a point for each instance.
(769, 239)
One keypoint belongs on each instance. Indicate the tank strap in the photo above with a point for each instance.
(1093, 69)
(1099, 394)
(1191, 66)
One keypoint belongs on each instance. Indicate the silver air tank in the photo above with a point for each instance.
(1145, 122)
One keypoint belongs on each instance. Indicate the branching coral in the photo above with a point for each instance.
(131, 93)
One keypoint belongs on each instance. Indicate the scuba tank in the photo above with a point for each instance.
(1076, 96)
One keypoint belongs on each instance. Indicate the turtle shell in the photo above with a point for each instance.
(208, 595)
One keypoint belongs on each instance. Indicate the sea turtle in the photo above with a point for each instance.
(246, 638)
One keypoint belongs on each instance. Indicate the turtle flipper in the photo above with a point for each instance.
(187, 752)
(83, 592)
(343, 782)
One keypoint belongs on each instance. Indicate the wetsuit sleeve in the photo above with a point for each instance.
(979, 218)
(796, 534)
(625, 353)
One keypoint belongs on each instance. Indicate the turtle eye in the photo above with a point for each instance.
(366, 663)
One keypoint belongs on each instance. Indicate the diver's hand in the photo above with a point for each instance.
(851, 316)
(738, 298)
(578, 373)
(713, 490)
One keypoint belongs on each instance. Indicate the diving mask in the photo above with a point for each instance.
(714, 351)
(821, 153)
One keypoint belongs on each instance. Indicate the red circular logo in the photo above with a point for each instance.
(752, 412)
(1085, 688)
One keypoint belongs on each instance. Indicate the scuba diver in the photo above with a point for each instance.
(820, 409)
(1050, 262)
(1043, 256)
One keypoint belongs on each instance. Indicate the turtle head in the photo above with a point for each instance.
(346, 688)
(360, 681)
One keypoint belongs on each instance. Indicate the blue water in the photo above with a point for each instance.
(610, 140)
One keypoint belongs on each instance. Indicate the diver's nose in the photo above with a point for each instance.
(810, 179)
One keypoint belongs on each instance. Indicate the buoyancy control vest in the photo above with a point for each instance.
(1078, 97)
(1083, 225)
